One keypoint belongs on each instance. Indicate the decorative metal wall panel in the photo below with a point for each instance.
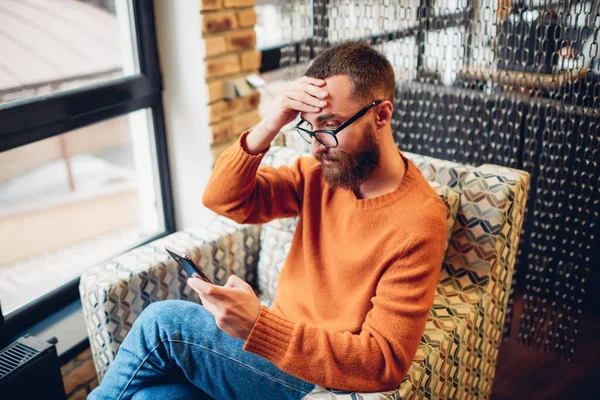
(506, 82)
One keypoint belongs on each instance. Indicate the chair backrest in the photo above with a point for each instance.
(487, 228)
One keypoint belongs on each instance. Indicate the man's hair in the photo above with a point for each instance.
(371, 74)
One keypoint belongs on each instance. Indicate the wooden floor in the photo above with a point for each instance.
(527, 374)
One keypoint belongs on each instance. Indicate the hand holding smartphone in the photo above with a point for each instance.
(186, 263)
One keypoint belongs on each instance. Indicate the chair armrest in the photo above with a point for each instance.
(115, 292)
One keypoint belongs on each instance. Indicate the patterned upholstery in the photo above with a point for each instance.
(459, 348)
(114, 293)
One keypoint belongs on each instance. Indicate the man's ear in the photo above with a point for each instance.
(384, 114)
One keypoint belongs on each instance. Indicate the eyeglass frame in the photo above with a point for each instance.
(334, 132)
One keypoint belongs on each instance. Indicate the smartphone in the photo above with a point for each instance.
(186, 263)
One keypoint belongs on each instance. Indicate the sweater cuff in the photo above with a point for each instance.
(270, 336)
(242, 143)
(238, 158)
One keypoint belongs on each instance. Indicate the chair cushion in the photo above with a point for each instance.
(275, 242)
(276, 239)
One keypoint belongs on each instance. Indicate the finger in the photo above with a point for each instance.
(299, 106)
(313, 90)
(206, 289)
(302, 96)
(210, 307)
(314, 81)
(199, 284)
(238, 282)
(231, 282)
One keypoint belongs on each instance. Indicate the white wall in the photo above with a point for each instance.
(185, 95)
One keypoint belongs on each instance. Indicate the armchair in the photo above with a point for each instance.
(459, 348)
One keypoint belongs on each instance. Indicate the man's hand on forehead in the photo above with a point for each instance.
(306, 95)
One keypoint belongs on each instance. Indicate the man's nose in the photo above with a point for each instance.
(316, 147)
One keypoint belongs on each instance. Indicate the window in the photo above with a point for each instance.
(279, 23)
(363, 20)
(83, 167)
(57, 47)
(285, 30)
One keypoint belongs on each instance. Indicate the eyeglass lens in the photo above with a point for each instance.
(305, 129)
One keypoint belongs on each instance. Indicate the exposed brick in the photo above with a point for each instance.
(251, 101)
(239, 3)
(68, 367)
(221, 130)
(218, 21)
(92, 385)
(241, 40)
(246, 18)
(245, 121)
(79, 376)
(80, 394)
(222, 66)
(215, 45)
(206, 5)
(250, 60)
(215, 91)
(224, 109)
(84, 355)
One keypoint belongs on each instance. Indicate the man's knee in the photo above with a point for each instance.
(162, 307)
(169, 312)
(175, 320)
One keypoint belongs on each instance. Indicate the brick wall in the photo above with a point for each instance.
(79, 376)
(229, 38)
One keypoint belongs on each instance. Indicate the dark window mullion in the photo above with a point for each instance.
(163, 163)
(147, 46)
(42, 128)
(41, 118)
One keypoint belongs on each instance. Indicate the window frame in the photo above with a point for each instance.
(31, 120)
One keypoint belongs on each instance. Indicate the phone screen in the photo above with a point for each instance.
(186, 263)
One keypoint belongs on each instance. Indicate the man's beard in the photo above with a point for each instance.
(351, 170)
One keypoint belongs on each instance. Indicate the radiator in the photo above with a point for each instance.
(29, 369)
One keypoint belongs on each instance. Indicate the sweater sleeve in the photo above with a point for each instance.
(379, 356)
(240, 190)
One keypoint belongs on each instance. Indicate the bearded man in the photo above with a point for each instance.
(353, 296)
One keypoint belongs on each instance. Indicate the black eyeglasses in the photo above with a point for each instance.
(327, 137)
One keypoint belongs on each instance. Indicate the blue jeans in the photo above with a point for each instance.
(176, 351)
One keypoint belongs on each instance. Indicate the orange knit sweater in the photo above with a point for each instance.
(354, 293)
